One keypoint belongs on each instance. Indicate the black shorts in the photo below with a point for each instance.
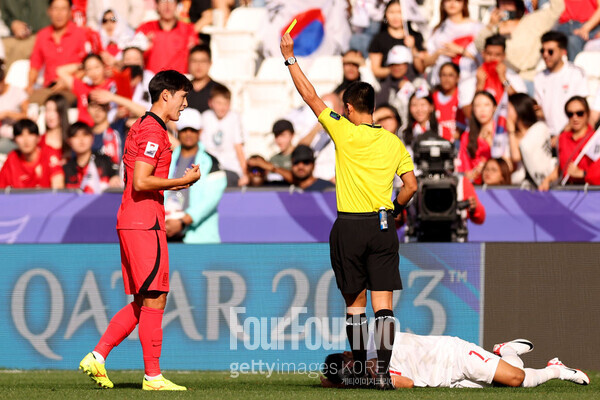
(362, 255)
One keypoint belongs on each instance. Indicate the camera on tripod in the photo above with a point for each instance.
(435, 214)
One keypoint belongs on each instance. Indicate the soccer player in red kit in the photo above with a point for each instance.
(142, 236)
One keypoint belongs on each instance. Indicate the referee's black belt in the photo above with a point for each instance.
(365, 215)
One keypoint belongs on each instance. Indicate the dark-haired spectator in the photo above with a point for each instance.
(421, 115)
(129, 13)
(389, 119)
(447, 102)
(496, 172)
(223, 135)
(392, 33)
(575, 165)
(115, 34)
(93, 79)
(29, 165)
(257, 176)
(262, 172)
(88, 170)
(558, 82)
(283, 130)
(61, 43)
(352, 60)
(579, 22)
(303, 164)
(195, 218)
(169, 39)
(199, 62)
(522, 31)
(476, 143)
(24, 18)
(452, 40)
(133, 59)
(365, 22)
(531, 141)
(107, 139)
(201, 15)
(56, 118)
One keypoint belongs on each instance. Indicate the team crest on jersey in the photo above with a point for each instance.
(151, 149)
(334, 115)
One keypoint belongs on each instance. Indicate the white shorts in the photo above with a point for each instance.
(476, 367)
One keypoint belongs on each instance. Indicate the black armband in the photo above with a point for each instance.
(398, 208)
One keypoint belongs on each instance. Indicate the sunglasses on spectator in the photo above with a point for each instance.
(111, 19)
(579, 113)
(257, 170)
(549, 51)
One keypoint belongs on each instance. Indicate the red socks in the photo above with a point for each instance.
(150, 331)
(120, 326)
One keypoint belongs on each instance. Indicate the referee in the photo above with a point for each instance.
(363, 241)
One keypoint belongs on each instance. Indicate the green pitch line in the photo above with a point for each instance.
(65, 385)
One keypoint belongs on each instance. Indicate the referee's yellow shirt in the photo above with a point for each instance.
(366, 159)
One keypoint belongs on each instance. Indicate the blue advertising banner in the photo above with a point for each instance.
(275, 304)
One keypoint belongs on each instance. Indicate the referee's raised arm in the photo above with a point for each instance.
(303, 85)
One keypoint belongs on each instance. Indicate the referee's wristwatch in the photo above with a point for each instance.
(290, 61)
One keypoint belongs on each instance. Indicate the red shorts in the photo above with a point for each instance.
(144, 260)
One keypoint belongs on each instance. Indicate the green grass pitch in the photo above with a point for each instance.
(66, 385)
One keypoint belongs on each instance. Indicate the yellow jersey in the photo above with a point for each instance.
(366, 159)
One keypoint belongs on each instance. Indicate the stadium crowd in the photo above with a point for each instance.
(501, 85)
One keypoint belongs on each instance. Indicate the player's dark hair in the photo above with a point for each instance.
(361, 96)
(580, 99)
(525, 108)
(496, 40)
(201, 48)
(333, 367)
(90, 56)
(52, 1)
(220, 90)
(408, 135)
(170, 80)
(474, 125)
(25, 124)
(79, 126)
(555, 36)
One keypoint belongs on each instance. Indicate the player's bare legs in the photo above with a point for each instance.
(509, 375)
(385, 331)
(357, 328)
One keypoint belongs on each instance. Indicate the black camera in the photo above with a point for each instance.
(435, 214)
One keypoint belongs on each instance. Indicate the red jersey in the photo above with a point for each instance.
(72, 48)
(18, 173)
(449, 115)
(168, 49)
(147, 141)
(82, 90)
(467, 163)
(569, 149)
(578, 10)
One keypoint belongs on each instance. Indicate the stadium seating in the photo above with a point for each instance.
(18, 74)
(589, 61)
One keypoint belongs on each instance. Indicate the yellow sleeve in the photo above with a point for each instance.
(334, 123)
(406, 164)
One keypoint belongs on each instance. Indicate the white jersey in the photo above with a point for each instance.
(552, 90)
(536, 152)
(220, 136)
(439, 361)
(464, 35)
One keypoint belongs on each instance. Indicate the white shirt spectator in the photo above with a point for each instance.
(552, 90)
(220, 136)
(536, 152)
(468, 87)
(132, 11)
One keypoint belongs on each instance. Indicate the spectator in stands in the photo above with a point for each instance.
(56, 118)
(13, 100)
(257, 175)
(392, 34)
(303, 164)
(579, 22)
(365, 22)
(93, 78)
(352, 60)
(496, 172)
(31, 166)
(199, 62)
(130, 13)
(114, 33)
(389, 119)
(108, 140)
(90, 171)
(421, 115)
(24, 18)
(61, 43)
(195, 218)
(447, 103)
(169, 39)
(262, 172)
(522, 32)
(453, 40)
(283, 130)
(133, 59)
(530, 141)
(223, 136)
(477, 141)
(557, 83)
(397, 88)
(575, 164)
(201, 15)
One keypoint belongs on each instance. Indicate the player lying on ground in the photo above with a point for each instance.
(445, 361)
